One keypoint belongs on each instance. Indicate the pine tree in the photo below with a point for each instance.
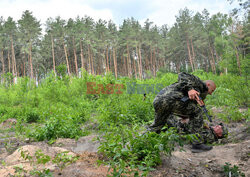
(30, 30)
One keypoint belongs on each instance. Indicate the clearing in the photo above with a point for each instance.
(234, 150)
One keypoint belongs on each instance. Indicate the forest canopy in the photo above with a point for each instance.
(197, 41)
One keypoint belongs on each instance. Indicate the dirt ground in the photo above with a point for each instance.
(235, 150)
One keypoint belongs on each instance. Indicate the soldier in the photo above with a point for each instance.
(168, 103)
(208, 134)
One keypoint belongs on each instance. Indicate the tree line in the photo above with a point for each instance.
(217, 43)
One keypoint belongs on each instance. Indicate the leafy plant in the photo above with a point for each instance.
(232, 171)
(19, 171)
(131, 152)
(63, 159)
(57, 128)
(32, 116)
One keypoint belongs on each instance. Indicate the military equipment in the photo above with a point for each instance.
(186, 98)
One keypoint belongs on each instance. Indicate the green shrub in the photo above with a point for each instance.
(130, 151)
(232, 171)
(57, 128)
(32, 116)
(232, 114)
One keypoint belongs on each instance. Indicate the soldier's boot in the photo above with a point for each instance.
(196, 148)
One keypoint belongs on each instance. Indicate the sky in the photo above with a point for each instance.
(160, 12)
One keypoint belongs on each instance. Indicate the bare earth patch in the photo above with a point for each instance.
(206, 164)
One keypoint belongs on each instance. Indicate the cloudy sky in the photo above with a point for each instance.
(159, 11)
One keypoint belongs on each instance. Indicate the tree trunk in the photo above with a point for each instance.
(225, 70)
(151, 60)
(66, 57)
(106, 60)
(21, 69)
(82, 56)
(30, 62)
(236, 51)
(2, 59)
(103, 61)
(111, 61)
(237, 57)
(31, 65)
(137, 59)
(13, 58)
(135, 70)
(195, 63)
(115, 63)
(92, 63)
(178, 67)
(189, 55)
(213, 61)
(9, 60)
(124, 66)
(53, 54)
(140, 61)
(89, 64)
(216, 55)
(75, 57)
(154, 63)
(24, 69)
(158, 60)
(146, 63)
(128, 62)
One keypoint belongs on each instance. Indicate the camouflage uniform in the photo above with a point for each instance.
(168, 103)
(205, 135)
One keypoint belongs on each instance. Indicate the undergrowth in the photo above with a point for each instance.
(60, 106)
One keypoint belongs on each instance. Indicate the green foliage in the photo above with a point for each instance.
(61, 70)
(41, 157)
(231, 93)
(57, 128)
(41, 173)
(62, 160)
(232, 114)
(125, 109)
(19, 171)
(129, 152)
(32, 116)
(232, 171)
(8, 77)
(61, 108)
